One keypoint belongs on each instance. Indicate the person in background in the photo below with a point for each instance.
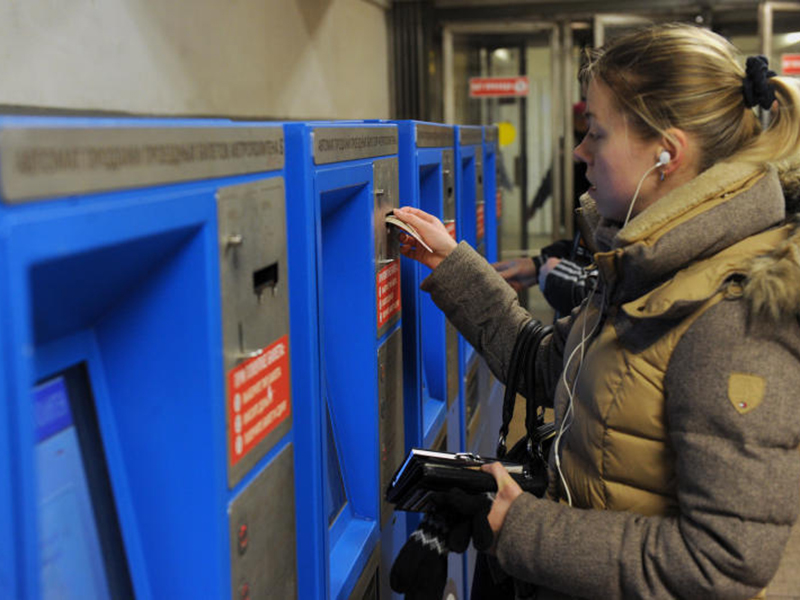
(560, 269)
(675, 472)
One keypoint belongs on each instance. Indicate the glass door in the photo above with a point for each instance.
(528, 115)
(779, 33)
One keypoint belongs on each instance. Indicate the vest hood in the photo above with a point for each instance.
(719, 213)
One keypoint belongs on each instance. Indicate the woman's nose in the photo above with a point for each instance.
(580, 153)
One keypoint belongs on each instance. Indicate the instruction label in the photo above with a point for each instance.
(481, 220)
(258, 397)
(387, 286)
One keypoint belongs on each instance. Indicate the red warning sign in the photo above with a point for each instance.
(498, 87)
(790, 64)
(499, 203)
(387, 286)
(258, 397)
(481, 221)
(451, 228)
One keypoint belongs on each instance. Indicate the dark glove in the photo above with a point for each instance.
(467, 515)
(420, 569)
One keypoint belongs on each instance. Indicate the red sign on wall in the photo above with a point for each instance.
(499, 204)
(451, 228)
(258, 397)
(498, 87)
(387, 286)
(790, 64)
(481, 221)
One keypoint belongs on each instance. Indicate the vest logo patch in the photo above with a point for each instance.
(746, 392)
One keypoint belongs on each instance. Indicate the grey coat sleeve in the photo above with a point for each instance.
(738, 481)
(485, 309)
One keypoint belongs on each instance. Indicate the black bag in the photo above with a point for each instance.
(533, 448)
(489, 582)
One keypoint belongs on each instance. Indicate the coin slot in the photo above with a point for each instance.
(265, 278)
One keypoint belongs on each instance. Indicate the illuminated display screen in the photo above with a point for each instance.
(80, 549)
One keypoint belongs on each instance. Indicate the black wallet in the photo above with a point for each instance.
(425, 472)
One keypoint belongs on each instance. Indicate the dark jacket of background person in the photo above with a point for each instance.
(686, 412)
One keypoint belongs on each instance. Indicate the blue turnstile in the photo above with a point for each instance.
(149, 366)
(469, 204)
(491, 194)
(434, 412)
(345, 174)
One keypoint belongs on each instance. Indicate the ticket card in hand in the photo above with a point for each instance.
(425, 472)
(409, 229)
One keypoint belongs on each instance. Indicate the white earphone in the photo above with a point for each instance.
(663, 159)
(566, 421)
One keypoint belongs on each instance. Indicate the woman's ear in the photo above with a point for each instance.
(682, 151)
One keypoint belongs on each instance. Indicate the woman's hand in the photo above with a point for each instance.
(507, 491)
(432, 231)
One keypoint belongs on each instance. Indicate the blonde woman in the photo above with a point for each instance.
(676, 385)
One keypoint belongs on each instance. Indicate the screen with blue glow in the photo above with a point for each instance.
(70, 550)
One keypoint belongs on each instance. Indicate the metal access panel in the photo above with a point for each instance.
(255, 320)
(387, 250)
(480, 204)
(451, 334)
(262, 534)
(390, 398)
(473, 399)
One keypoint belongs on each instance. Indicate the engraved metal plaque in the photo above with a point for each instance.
(386, 189)
(390, 407)
(254, 283)
(434, 136)
(261, 522)
(338, 144)
(368, 585)
(470, 135)
(46, 162)
(490, 134)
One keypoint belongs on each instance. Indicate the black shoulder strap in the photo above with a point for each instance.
(522, 360)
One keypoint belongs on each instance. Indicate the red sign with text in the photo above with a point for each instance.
(387, 286)
(790, 64)
(499, 204)
(498, 87)
(481, 224)
(258, 397)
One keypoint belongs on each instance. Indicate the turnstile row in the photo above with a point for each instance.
(213, 357)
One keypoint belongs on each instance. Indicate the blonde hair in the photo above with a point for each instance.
(689, 78)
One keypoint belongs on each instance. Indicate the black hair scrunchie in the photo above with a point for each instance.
(756, 86)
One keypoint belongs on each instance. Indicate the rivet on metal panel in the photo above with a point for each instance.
(234, 240)
(380, 192)
(251, 354)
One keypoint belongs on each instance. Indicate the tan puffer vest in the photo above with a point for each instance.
(617, 453)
